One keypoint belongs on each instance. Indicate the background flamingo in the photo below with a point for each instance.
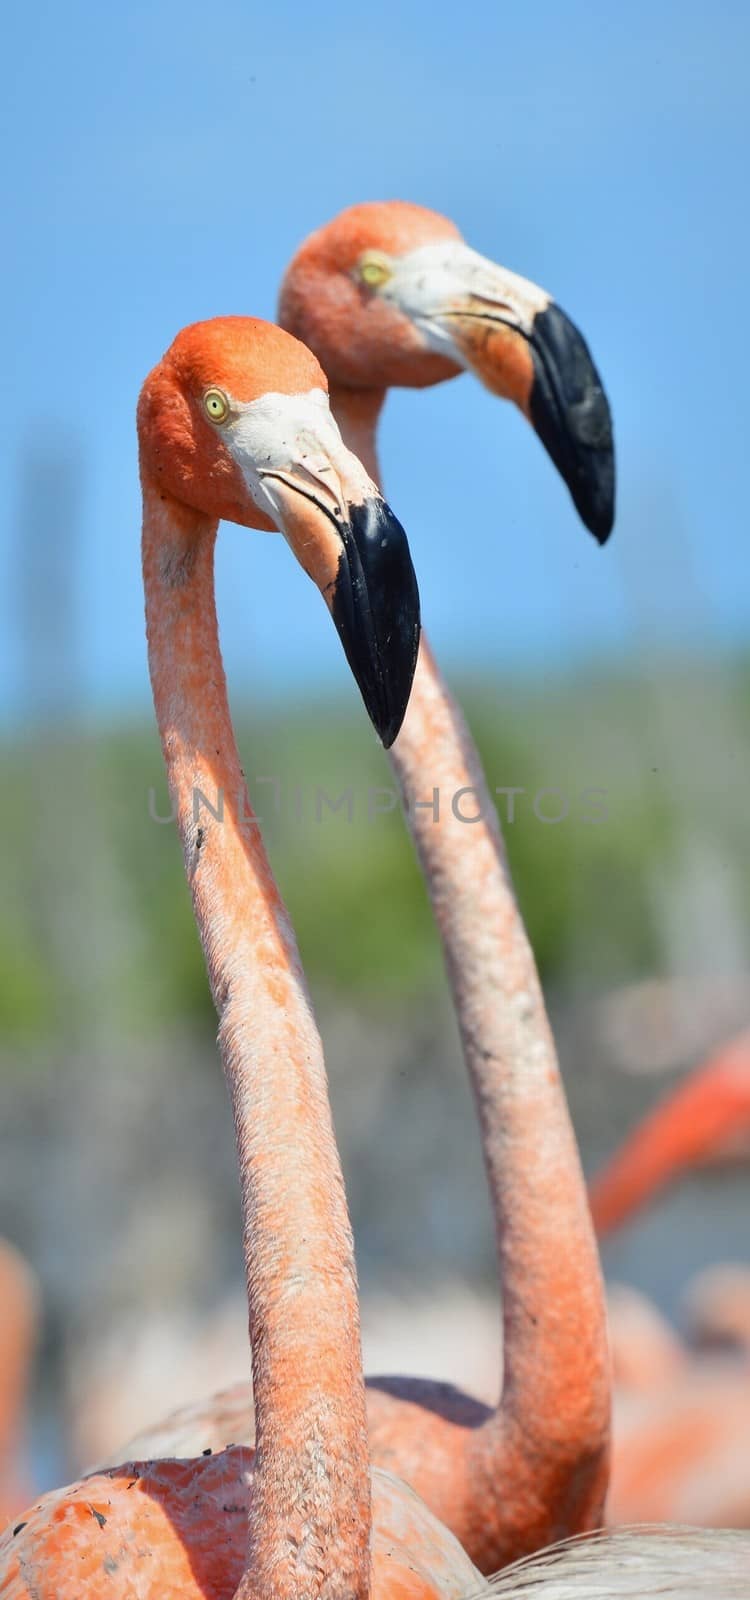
(390, 294)
(682, 1447)
(717, 1307)
(19, 1324)
(681, 1432)
(646, 1350)
(681, 1422)
(707, 1117)
(234, 422)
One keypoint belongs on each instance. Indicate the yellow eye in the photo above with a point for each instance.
(374, 269)
(216, 405)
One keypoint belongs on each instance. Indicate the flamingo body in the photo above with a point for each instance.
(415, 1426)
(177, 1530)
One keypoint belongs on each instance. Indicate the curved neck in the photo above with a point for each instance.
(310, 1511)
(555, 1381)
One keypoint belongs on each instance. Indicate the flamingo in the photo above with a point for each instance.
(681, 1415)
(703, 1118)
(234, 422)
(682, 1428)
(390, 294)
(19, 1322)
(681, 1448)
(673, 1563)
(717, 1304)
(147, 1518)
(681, 1445)
(682, 1423)
(646, 1350)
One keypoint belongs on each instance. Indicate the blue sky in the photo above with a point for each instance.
(161, 162)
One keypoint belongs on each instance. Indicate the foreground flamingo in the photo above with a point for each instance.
(700, 1120)
(177, 1530)
(234, 423)
(390, 294)
(19, 1318)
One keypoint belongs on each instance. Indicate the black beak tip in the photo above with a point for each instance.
(376, 611)
(595, 498)
(601, 527)
(571, 414)
(388, 726)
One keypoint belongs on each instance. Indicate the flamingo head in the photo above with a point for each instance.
(234, 423)
(390, 294)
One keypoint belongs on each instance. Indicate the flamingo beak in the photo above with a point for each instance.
(357, 554)
(570, 412)
(346, 538)
(375, 606)
(519, 343)
(546, 367)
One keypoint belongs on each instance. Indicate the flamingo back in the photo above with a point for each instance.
(179, 1528)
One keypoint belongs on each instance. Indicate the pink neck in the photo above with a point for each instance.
(357, 412)
(555, 1385)
(310, 1510)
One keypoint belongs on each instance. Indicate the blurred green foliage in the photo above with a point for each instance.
(95, 922)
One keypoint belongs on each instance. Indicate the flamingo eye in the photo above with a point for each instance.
(216, 405)
(374, 269)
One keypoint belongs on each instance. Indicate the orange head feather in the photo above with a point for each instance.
(362, 341)
(181, 452)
